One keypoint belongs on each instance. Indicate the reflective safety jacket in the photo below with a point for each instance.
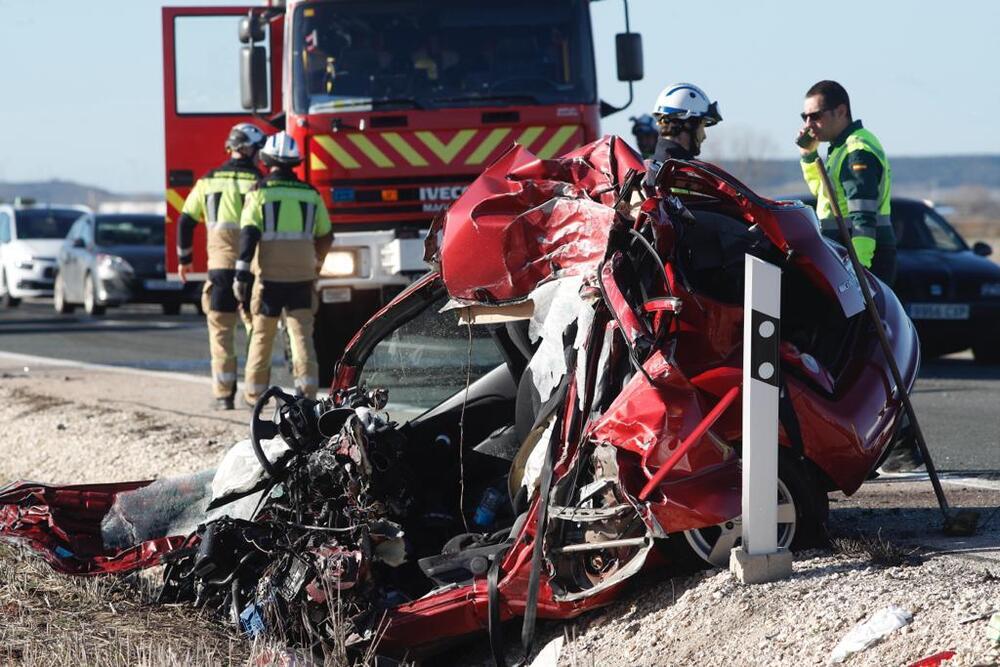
(289, 221)
(862, 182)
(216, 200)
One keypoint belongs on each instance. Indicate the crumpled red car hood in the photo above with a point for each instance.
(525, 220)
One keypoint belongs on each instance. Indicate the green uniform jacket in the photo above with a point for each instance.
(216, 200)
(285, 216)
(862, 183)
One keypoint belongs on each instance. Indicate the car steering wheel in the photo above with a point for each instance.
(266, 429)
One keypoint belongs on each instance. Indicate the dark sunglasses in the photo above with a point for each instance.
(814, 116)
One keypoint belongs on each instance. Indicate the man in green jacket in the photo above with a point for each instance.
(859, 172)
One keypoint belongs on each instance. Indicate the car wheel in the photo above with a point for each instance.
(59, 297)
(802, 512)
(90, 297)
(172, 308)
(986, 352)
(6, 299)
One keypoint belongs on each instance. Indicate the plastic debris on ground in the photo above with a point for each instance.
(870, 632)
(933, 660)
(993, 629)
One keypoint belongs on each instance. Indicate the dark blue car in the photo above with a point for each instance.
(951, 291)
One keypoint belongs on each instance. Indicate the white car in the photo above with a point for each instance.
(30, 238)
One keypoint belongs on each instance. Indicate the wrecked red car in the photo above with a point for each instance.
(546, 414)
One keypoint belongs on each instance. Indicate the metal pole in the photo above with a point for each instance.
(761, 333)
(965, 522)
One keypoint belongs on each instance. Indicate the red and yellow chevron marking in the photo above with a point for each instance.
(425, 148)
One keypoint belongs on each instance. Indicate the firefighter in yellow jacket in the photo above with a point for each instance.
(285, 233)
(217, 200)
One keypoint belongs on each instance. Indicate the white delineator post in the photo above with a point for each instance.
(759, 559)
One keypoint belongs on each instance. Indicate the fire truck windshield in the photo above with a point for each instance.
(356, 56)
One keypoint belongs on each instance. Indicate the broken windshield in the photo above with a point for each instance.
(429, 359)
(355, 56)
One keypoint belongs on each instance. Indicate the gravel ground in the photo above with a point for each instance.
(59, 429)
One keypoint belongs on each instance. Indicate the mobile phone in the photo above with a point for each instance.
(805, 139)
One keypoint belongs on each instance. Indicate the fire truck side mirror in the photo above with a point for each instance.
(253, 77)
(251, 29)
(628, 50)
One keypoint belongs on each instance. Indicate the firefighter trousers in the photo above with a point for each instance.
(220, 307)
(269, 300)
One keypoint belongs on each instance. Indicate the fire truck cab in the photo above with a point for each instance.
(396, 104)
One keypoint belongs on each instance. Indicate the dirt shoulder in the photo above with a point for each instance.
(66, 424)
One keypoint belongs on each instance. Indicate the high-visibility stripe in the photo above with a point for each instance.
(270, 216)
(336, 151)
(490, 143)
(285, 236)
(306, 382)
(446, 152)
(216, 226)
(529, 135)
(174, 199)
(556, 142)
(212, 201)
(315, 163)
(370, 150)
(395, 140)
(242, 265)
(858, 205)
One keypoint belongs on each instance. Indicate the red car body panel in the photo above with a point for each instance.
(64, 525)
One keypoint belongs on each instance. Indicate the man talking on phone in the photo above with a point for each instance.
(859, 172)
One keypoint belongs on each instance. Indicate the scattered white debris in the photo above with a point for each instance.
(872, 631)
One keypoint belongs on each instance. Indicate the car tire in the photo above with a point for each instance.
(172, 308)
(802, 501)
(987, 353)
(90, 304)
(59, 302)
(6, 299)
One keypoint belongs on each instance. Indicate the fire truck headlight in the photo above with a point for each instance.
(340, 263)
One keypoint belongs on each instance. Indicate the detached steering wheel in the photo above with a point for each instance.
(266, 429)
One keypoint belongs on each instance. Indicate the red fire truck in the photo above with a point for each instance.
(396, 104)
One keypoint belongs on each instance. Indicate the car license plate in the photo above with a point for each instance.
(939, 311)
(336, 295)
(163, 285)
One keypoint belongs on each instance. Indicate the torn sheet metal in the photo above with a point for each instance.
(525, 220)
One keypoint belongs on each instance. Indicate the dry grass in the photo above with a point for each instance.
(47, 618)
(875, 548)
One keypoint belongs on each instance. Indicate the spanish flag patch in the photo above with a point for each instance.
(859, 167)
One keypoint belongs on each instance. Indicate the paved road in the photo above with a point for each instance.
(957, 401)
(139, 336)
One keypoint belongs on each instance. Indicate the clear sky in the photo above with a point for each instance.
(81, 90)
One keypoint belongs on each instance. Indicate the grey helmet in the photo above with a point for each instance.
(245, 138)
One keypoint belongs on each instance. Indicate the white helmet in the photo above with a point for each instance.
(681, 101)
(246, 138)
(280, 150)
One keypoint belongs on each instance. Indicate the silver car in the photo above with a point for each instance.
(110, 259)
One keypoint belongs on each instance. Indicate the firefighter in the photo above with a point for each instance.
(682, 112)
(645, 133)
(285, 233)
(217, 200)
(859, 172)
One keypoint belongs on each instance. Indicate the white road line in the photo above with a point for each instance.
(951, 478)
(29, 359)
